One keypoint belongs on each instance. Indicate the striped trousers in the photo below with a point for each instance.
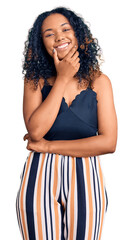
(61, 197)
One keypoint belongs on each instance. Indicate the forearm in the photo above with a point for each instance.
(85, 147)
(43, 118)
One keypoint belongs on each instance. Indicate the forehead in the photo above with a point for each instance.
(54, 20)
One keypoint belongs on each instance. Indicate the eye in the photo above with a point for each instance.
(48, 35)
(66, 29)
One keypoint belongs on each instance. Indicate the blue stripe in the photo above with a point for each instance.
(81, 200)
(59, 197)
(106, 198)
(50, 195)
(98, 195)
(61, 208)
(68, 159)
(45, 197)
(64, 182)
(62, 223)
(30, 196)
(94, 185)
(66, 222)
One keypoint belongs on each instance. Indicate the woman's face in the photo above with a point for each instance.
(56, 30)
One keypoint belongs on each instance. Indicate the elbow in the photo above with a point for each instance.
(112, 147)
(109, 144)
(34, 133)
(34, 136)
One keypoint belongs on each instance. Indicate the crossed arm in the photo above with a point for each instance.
(91, 146)
(106, 140)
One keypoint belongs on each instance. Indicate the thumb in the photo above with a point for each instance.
(26, 136)
(55, 56)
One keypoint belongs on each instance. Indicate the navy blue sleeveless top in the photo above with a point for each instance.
(79, 120)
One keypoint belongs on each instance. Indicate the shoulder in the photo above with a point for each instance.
(102, 85)
(101, 82)
(29, 84)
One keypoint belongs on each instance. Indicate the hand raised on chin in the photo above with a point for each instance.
(69, 65)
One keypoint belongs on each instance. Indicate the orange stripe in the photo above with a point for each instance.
(39, 220)
(103, 199)
(63, 205)
(90, 198)
(54, 194)
(22, 195)
(72, 199)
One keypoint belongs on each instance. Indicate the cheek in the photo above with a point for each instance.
(74, 39)
(48, 46)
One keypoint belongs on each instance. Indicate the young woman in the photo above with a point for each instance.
(70, 117)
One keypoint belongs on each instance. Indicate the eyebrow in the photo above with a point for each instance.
(49, 29)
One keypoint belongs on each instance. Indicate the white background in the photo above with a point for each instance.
(110, 22)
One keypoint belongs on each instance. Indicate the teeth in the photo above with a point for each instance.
(62, 46)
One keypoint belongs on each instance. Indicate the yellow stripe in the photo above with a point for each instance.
(22, 195)
(54, 194)
(90, 198)
(39, 220)
(103, 199)
(72, 199)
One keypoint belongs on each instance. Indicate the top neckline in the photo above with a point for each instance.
(76, 97)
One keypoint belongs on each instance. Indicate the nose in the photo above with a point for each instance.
(59, 36)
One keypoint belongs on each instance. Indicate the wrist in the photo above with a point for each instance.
(62, 79)
(49, 147)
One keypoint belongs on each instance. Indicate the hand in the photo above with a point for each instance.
(38, 146)
(69, 66)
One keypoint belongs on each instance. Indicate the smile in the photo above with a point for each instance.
(63, 46)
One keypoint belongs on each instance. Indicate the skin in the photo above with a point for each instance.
(59, 34)
(67, 64)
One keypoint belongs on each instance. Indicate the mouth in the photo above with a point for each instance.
(63, 47)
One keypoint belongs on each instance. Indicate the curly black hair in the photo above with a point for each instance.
(39, 64)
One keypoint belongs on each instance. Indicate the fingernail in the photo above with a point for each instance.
(75, 46)
(53, 50)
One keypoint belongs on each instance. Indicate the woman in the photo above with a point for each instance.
(70, 118)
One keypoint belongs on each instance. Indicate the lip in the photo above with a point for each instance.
(62, 44)
(64, 48)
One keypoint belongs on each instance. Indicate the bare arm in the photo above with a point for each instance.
(39, 116)
(85, 147)
(106, 140)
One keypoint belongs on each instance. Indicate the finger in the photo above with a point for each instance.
(29, 147)
(76, 61)
(55, 56)
(78, 66)
(26, 136)
(71, 52)
(75, 56)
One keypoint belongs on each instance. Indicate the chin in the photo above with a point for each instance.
(61, 57)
